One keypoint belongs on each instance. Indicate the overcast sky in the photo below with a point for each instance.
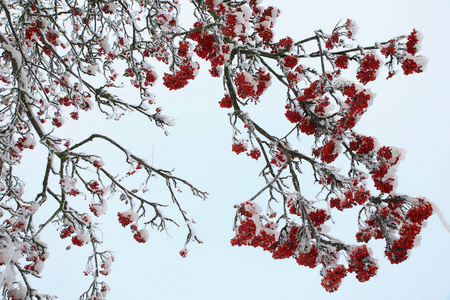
(408, 112)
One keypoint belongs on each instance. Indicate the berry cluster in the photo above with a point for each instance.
(249, 86)
(327, 153)
(183, 253)
(342, 62)
(179, 78)
(141, 236)
(266, 21)
(226, 102)
(333, 277)
(411, 44)
(239, 147)
(332, 40)
(125, 218)
(420, 212)
(67, 231)
(389, 50)
(308, 259)
(398, 251)
(357, 103)
(410, 66)
(380, 175)
(368, 69)
(365, 234)
(362, 264)
(351, 198)
(318, 217)
(362, 144)
(207, 47)
(307, 126)
(290, 61)
(80, 239)
(293, 116)
(283, 45)
(254, 153)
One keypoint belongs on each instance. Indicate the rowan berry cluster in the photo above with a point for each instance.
(141, 236)
(410, 66)
(420, 212)
(308, 259)
(362, 264)
(327, 153)
(398, 251)
(284, 44)
(254, 153)
(381, 175)
(307, 126)
(207, 47)
(342, 62)
(357, 103)
(226, 102)
(183, 253)
(362, 144)
(249, 86)
(36, 256)
(180, 77)
(278, 158)
(368, 69)
(333, 277)
(365, 234)
(265, 22)
(293, 116)
(80, 239)
(151, 77)
(290, 61)
(389, 50)
(67, 231)
(125, 218)
(293, 77)
(318, 217)
(332, 41)
(98, 209)
(411, 44)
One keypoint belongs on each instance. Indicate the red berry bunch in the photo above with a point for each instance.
(412, 42)
(333, 277)
(318, 217)
(254, 153)
(66, 231)
(293, 116)
(368, 69)
(327, 152)
(125, 218)
(362, 144)
(308, 259)
(362, 264)
(290, 61)
(342, 62)
(420, 212)
(226, 102)
(398, 251)
(239, 147)
(179, 78)
(410, 66)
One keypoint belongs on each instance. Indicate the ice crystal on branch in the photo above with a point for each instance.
(61, 59)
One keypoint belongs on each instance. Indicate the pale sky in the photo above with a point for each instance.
(409, 112)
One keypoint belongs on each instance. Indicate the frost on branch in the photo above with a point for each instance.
(61, 59)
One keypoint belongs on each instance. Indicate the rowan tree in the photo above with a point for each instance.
(64, 58)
